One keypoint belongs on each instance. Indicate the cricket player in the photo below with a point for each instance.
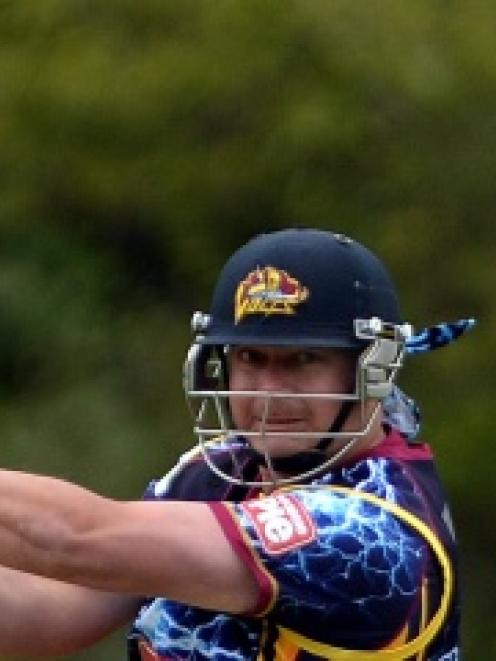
(308, 522)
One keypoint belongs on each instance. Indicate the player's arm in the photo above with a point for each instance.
(43, 617)
(172, 549)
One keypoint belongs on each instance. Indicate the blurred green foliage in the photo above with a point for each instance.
(143, 141)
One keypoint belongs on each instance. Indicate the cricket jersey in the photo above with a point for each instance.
(360, 564)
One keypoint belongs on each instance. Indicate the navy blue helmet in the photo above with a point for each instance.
(299, 287)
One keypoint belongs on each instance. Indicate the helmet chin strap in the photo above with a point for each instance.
(337, 425)
(310, 459)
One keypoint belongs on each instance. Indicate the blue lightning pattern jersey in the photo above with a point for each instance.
(361, 559)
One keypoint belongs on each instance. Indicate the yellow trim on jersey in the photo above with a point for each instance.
(425, 637)
(263, 640)
(401, 638)
(423, 613)
(285, 649)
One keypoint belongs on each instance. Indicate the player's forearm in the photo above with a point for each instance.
(40, 519)
(44, 618)
(60, 531)
(28, 605)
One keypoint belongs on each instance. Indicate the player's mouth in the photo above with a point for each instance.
(276, 423)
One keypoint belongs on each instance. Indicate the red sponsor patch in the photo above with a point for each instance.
(282, 522)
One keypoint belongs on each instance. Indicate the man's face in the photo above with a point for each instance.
(289, 370)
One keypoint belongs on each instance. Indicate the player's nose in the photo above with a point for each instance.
(274, 378)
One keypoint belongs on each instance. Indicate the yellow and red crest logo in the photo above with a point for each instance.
(268, 290)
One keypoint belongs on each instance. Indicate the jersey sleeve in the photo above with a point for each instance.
(333, 567)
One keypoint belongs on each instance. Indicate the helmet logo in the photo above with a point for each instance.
(268, 290)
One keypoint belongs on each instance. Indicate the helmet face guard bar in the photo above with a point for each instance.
(208, 447)
(205, 381)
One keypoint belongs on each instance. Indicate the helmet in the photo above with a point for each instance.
(295, 287)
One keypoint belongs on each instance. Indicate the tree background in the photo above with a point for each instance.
(142, 142)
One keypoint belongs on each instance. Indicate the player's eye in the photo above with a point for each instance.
(250, 357)
(302, 358)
